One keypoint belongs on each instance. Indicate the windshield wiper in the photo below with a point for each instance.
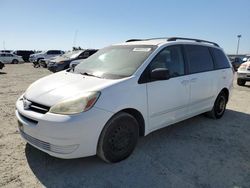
(71, 68)
(89, 74)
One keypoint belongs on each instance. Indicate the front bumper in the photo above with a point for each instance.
(244, 75)
(62, 136)
(32, 59)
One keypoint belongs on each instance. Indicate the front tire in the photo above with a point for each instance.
(118, 138)
(15, 61)
(241, 82)
(219, 107)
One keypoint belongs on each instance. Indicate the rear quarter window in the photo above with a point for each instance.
(199, 58)
(220, 59)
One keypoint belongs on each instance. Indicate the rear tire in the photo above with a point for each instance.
(118, 138)
(241, 82)
(219, 107)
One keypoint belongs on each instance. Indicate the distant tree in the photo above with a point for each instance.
(76, 48)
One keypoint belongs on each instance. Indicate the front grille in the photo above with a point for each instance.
(39, 108)
(36, 142)
(47, 146)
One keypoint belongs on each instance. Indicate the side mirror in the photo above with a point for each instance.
(160, 74)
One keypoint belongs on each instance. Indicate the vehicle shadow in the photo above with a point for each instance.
(3, 73)
(198, 152)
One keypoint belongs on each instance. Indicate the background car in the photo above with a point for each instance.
(243, 74)
(24, 53)
(34, 58)
(6, 51)
(8, 58)
(1, 65)
(63, 62)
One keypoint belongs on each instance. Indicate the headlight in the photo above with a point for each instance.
(76, 105)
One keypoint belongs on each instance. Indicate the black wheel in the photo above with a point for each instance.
(15, 61)
(241, 82)
(219, 107)
(118, 138)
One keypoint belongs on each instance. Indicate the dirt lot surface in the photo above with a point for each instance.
(198, 152)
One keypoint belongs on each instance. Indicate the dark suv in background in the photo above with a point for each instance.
(24, 53)
(236, 62)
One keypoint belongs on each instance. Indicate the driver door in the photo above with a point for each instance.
(168, 99)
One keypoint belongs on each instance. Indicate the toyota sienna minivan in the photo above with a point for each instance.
(124, 91)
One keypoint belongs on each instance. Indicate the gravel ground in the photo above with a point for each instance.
(198, 152)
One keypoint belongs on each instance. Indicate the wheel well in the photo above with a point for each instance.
(225, 90)
(139, 118)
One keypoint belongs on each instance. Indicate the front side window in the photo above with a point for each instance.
(199, 58)
(116, 61)
(172, 59)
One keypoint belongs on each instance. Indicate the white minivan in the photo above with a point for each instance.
(124, 91)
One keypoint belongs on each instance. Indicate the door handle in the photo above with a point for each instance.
(193, 79)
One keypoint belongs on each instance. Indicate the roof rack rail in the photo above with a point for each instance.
(134, 40)
(196, 40)
(174, 39)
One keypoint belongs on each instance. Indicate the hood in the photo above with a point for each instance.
(60, 58)
(64, 85)
(37, 54)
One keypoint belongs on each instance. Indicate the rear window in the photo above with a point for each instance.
(221, 61)
(199, 58)
(54, 52)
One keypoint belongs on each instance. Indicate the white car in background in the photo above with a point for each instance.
(122, 92)
(243, 73)
(8, 58)
(34, 58)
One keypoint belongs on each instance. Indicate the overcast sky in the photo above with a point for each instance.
(56, 24)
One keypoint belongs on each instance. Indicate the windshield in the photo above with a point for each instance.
(72, 55)
(115, 61)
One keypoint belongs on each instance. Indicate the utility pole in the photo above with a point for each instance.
(237, 51)
(74, 40)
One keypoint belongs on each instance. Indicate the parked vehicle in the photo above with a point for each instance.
(122, 92)
(243, 74)
(62, 62)
(6, 51)
(44, 62)
(74, 63)
(25, 54)
(236, 62)
(35, 58)
(1, 65)
(8, 58)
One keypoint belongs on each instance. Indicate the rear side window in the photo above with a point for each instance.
(221, 62)
(199, 58)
